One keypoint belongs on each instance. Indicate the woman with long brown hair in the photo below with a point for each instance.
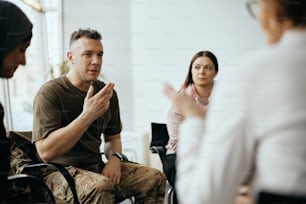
(198, 85)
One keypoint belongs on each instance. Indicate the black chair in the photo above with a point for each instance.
(158, 144)
(27, 171)
(276, 198)
(26, 188)
(24, 161)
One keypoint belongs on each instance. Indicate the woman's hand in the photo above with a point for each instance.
(184, 103)
(244, 196)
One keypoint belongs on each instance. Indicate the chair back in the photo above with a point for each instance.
(159, 141)
(160, 134)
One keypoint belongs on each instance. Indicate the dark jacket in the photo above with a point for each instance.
(15, 28)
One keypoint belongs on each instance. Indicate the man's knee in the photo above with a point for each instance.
(105, 186)
(155, 179)
(158, 177)
(154, 189)
(98, 192)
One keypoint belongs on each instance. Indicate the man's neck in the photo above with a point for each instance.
(75, 81)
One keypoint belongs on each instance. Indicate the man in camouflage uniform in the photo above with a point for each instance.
(70, 115)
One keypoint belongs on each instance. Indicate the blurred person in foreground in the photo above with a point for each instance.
(256, 117)
(15, 38)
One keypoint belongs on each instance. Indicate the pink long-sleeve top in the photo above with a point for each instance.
(175, 118)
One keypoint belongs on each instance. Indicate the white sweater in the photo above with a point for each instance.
(257, 116)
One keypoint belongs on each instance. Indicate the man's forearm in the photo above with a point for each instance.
(62, 140)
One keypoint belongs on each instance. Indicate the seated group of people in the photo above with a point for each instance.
(226, 133)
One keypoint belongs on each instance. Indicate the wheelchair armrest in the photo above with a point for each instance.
(161, 151)
(21, 176)
(28, 169)
(125, 157)
(158, 149)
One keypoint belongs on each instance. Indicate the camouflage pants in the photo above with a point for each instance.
(145, 184)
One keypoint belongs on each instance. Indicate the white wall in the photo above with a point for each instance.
(150, 42)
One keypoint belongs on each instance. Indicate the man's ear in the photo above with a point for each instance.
(70, 57)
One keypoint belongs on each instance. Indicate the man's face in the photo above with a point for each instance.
(86, 58)
(13, 59)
